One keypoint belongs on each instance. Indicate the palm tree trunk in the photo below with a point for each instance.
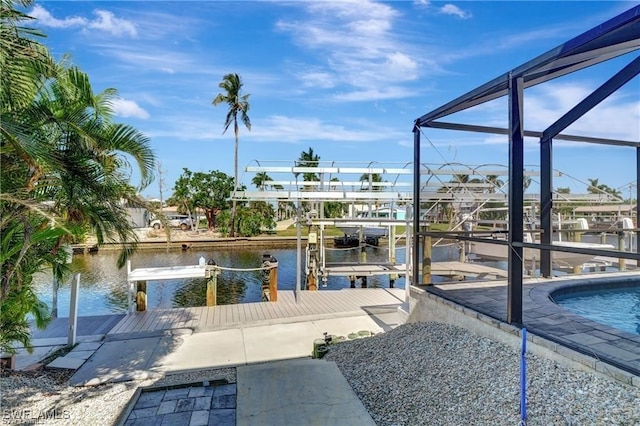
(235, 185)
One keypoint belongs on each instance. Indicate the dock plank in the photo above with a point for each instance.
(183, 318)
(253, 313)
(217, 321)
(207, 319)
(149, 320)
(129, 322)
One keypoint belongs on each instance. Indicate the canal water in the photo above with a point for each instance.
(103, 287)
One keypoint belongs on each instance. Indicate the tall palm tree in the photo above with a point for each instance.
(231, 84)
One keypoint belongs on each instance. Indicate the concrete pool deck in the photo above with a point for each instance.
(604, 346)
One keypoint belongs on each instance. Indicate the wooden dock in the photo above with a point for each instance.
(310, 304)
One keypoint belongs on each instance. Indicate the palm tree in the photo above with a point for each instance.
(237, 103)
(600, 188)
(89, 180)
(370, 178)
(308, 159)
(260, 179)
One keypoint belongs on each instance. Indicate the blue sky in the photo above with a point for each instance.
(347, 78)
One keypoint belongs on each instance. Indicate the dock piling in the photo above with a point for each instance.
(141, 296)
(622, 263)
(73, 311)
(273, 284)
(426, 258)
(212, 288)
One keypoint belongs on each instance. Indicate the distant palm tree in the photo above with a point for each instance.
(308, 159)
(370, 178)
(600, 188)
(495, 181)
(460, 178)
(260, 180)
(238, 103)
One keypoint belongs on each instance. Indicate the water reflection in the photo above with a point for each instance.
(103, 288)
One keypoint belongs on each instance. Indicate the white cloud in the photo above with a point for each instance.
(142, 57)
(360, 48)
(317, 79)
(451, 9)
(276, 129)
(47, 20)
(615, 117)
(375, 94)
(281, 128)
(126, 108)
(105, 21)
(401, 63)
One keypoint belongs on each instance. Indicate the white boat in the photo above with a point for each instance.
(561, 259)
(370, 230)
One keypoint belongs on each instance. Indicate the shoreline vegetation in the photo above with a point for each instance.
(150, 239)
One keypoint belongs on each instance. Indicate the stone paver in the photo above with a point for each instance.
(167, 407)
(185, 404)
(175, 419)
(66, 362)
(222, 417)
(149, 399)
(85, 355)
(88, 346)
(176, 393)
(199, 418)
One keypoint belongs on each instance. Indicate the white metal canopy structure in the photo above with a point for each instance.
(326, 186)
(441, 185)
(618, 37)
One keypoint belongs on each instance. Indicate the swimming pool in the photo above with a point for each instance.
(618, 307)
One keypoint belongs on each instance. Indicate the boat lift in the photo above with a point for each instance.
(327, 189)
(317, 266)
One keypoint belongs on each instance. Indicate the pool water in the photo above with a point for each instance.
(616, 307)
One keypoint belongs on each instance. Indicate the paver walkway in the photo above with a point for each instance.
(206, 404)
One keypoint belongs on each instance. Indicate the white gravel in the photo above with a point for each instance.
(436, 374)
(416, 374)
